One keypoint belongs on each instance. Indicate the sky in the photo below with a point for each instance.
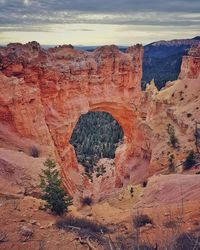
(98, 22)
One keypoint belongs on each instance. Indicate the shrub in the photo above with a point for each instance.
(128, 241)
(131, 190)
(34, 152)
(85, 229)
(144, 183)
(55, 196)
(170, 224)
(172, 137)
(189, 115)
(81, 223)
(189, 161)
(197, 137)
(27, 232)
(3, 237)
(141, 220)
(171, 166)
(187, 241)
(87, 201)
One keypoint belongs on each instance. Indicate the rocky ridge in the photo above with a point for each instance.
(44, 92)
(42, 95)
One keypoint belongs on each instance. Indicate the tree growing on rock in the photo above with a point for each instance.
(197, 136)
(172, 137)
(171, 166)
(50, 182)
(189, 161)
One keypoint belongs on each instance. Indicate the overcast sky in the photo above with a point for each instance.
(98, 22)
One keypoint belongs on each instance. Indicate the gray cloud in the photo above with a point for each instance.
(81, 30)
(105, 6)
(31, 15)
(25, 28)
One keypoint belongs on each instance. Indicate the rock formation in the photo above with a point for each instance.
(191, 64)
(43, 93)
(177, 104)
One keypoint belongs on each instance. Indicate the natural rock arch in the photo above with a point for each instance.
(96, 136)
(60, 85)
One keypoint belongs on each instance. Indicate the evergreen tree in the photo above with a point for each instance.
(171, 166)
(189, 161)
(96, 135)
(172, 136)
(50, 183)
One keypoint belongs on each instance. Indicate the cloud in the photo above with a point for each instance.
(113, 6)
(27, 2)
(84, 30)
(44, 15)
(26, 28)
(88, 11)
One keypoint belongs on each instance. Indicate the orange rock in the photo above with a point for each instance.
(191, 64)
(44, 92)
(47, 91)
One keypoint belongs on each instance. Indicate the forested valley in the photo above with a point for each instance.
(96, 136)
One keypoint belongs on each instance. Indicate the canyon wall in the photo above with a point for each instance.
(190, 67)
(178, 105)
(43, 94)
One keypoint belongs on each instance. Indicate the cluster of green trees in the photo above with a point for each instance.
(193, 157)
(173, 139)
(96, 136)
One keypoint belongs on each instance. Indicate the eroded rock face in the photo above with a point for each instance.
(178, 105)
(43, 93)
(190, 67)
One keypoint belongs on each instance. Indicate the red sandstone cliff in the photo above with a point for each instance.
(177, 104)
(43, 93)
(190, 67)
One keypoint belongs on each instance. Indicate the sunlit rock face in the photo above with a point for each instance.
(43, 94)
(190, 68)
(178, 105)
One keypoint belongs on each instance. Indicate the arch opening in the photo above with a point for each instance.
(96, 135)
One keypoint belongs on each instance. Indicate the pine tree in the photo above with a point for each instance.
(171, 166)
(189, 161)
(172, 136)
(95, 136)
(50, 183)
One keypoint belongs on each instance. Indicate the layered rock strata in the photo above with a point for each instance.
(43, 94)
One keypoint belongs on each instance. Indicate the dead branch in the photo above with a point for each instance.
(3, 237)
(90, 244)
(72, 227)
(111, 244)
(86, 242)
